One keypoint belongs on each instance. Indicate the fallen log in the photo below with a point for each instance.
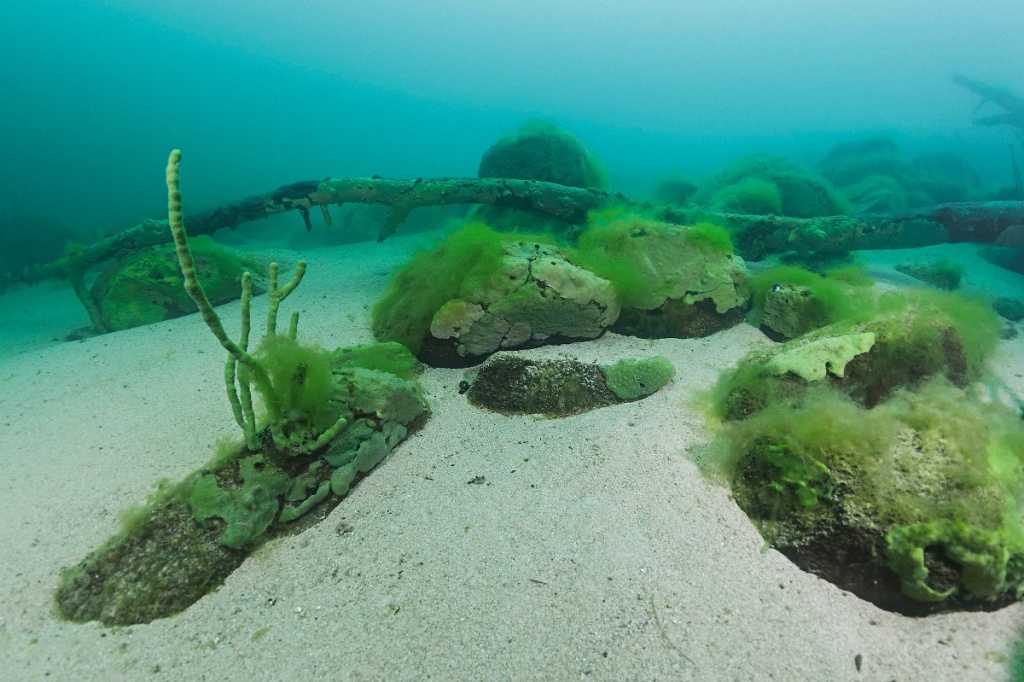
(756, 236)
(569, 204)
(988, 222)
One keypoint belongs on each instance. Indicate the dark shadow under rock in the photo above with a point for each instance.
(853, 560)
(676, 319)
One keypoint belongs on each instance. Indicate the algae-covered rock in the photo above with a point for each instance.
(158, 566)
(914, 505)
(511, 384)
(1011, 309)
(480, 291)
(876, 177)
(194, 534)
(769, 184)
(672, 281)
(538, 150)
(791, 311)
(147, 286)
(790, 301)
(920, 335)
(541, 150)
(861, 453)
(812, 360)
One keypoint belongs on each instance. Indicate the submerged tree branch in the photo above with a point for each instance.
(1011, 104)
(569, 204)
(756, 236)
(984, 222)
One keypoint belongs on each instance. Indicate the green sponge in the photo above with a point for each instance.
(811, 361)
(247, 511)
(632, 379)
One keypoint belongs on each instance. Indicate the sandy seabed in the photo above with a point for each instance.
(593, 548)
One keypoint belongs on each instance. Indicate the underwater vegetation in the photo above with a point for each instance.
(861, 452)
(858, 446)
(789, 301)
(328, 418)
(874, 177)
(542, 150)
(147, 286)
(670, 280)
(479, 291)
(761, 184)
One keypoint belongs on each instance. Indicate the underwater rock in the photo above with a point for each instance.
(672, 281)
(194, 534)
(944, 274)
(480, 291)
(790, 301)
(876, 194)
(790, 311)
(926, 334)
(913, 505)
(764, 184)
(674, 190)
(860, 453)
(541, 150)
(511, 384)
(147, 286)
(1011, 309)
(876, 177)
(1012, 237)
(1004, 257)
(677, 319)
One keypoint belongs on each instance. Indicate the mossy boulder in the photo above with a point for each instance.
(674, 189)
(751, 196)
(538, 150)
(763, 184)
(876, 194)
(791, 311)
(875, 176)
(917, 335)
(671, 280)
(192, 535)
(479, 292)
(914, 505)
(861, 453)
(1011, 309)
(542, 150)
(790, 301)
(511, 384)
(147, 286)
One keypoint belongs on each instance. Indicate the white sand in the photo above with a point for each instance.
(594, 550)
